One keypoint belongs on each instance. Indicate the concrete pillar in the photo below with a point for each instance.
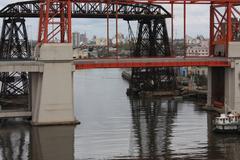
(228, 97)
(52, 90)
(232, 79)
(232, 87)
(209, 85)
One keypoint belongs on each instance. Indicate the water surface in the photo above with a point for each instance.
(116, 127)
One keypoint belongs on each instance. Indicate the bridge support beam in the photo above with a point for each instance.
(224, 83)
(152, 41)
(52, 90)
(232, 87)
(232, 79)
(209, 87)
(14, 46)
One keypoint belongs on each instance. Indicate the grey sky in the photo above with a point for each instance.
(197, 22)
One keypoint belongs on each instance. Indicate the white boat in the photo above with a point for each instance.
(227, 123)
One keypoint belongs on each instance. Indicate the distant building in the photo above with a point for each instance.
(93, 40)
(80, 54)
(83, 38)
(98, 41)
(183, 71)
(197, 46)
(121, 39)
(178, 47)
(197, 51)
(101, 41)
(76, 39)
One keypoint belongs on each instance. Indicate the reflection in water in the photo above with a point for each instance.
(152, 126)
(222, 146)
(14, 142)
(166, 129)
(112, 127)
(154, 129)
(53, 143)
(21, 142)
(230, 146)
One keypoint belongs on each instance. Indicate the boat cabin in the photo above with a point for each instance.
(227, 119)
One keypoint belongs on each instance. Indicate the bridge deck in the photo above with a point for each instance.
(21, 66)
(36, 66)
(14, 114)
(152, 62)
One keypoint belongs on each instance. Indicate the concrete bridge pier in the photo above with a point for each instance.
(52, 90)
(209, 87)
(232, 87)
(224, 83)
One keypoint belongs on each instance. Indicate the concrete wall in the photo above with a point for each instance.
(55, 52)
(234, 50)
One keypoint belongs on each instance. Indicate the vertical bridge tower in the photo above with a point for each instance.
(14, 46)
(152, 41)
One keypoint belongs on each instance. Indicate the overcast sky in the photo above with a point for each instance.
(197, 22)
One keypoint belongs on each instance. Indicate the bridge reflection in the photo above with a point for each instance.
(154, 134)
(152, 127)
(151, 137)
(14, 142)
(49, 143)
(36, 143)
(222, 146)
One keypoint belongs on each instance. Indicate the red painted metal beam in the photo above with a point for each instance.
(224, 25)
(153, 64)
(165, 1)
(53, 29)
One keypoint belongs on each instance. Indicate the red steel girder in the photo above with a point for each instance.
(111, 63)
(48, 15)
(51, 27)
(163, 1)
(224, 25)
(185, 1)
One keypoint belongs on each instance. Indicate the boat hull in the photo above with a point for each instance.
(227, 128)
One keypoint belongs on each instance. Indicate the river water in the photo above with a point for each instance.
(116, 127)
